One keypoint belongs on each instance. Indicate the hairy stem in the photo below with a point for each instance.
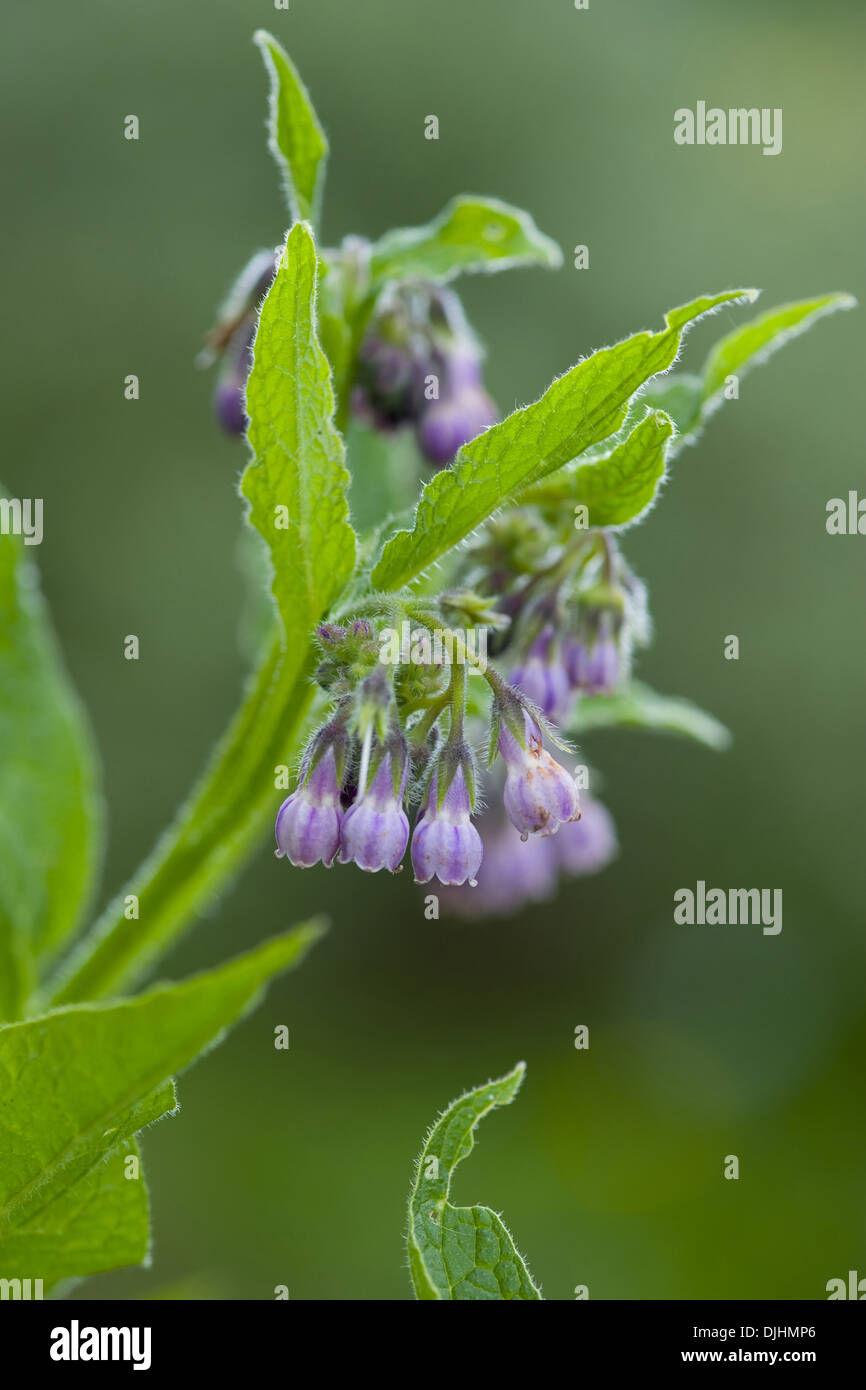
(458, 703)
(429, 717)
(462, 652)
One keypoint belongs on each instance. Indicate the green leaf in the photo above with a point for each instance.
(50, 804)
(470, 234)
(462, 1252)
(295, 137)
(619, 488)
(587, 404)
(98, 1223)
(691, 399)
(641, 708)
(757, 340)
(298, 468)
(81, 1081)
(296, 486)
(297, 483)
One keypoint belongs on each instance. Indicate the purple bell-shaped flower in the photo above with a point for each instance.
(375, 829)
(308, 822)
(539, 794)
(445, 843)
(544, 679)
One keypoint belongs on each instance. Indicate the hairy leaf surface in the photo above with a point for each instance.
(462, 1252)
(470, 234)
(78, 1083)
(587, 404)
(50, 803)
(295, 137)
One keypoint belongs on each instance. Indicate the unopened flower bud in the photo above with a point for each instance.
(544, 679)
(594, 659)
(602, 669)
(451, 422)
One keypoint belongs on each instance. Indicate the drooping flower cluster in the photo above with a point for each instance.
(572, 628)
(562, 613)
(369, 760)
(419, 365)
(560, 606)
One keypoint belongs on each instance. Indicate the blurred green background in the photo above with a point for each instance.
(293, 1168)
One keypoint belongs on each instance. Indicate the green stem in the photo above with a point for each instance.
(215, 832)
(609, 551)
(431, 714)
(458, 703)
(467, 658)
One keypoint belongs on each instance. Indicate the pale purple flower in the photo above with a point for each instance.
(308, 822)
(449, 423)
(445, 843)
(588, 845)
(387, 374)
(375, 829)
(594, 664)
(514, 873)
(603, 665)
(544, 679)
(539, 794)
(575, 657)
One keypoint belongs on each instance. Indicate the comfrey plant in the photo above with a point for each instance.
(512, 553)
(497, 615)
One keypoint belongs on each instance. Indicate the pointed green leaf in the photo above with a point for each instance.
(295, 137)
(690, 399)
(297, 483)
(619, 488)
(50, 806)
(756, 341)
(470, 234)
(81, 1081)
(641, 708)
(587, 404)
(296, 486)
(462, 1252)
